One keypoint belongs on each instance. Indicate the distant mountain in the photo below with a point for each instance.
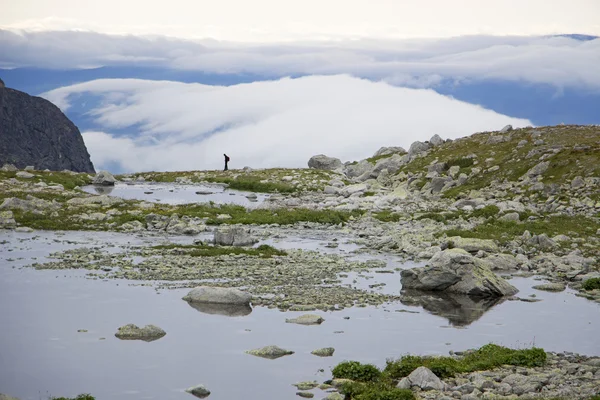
(33, 131)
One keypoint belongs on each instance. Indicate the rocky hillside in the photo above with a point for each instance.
(34, 132)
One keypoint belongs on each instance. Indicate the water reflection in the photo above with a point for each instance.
(460, 310)
(103, 189)
(230, 310)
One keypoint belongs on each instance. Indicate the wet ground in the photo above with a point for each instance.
(171, 193)
(43, 354)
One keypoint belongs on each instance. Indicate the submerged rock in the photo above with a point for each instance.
(306, 385)
(551, 287)
(270, 352)
(217, 295)
(306, 319)
(324, 352)
(199, 391)
(323, 162)
(456, 271)
(148, 333)
(104, 178)
(233, 236)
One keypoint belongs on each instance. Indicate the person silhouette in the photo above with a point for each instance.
(226, 161)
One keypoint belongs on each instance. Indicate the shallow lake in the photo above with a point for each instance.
(171, 193)
(42, 354)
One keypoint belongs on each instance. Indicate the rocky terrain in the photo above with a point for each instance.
(474, 213)
(34, 132)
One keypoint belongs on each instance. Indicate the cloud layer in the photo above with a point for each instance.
(558, 60)
(177, 126)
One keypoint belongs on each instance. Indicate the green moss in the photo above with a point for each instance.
(253, 184)
(461, 162)
(486, 212)
(356, 371)
(369, 194)
(591, 284)
(485, 358)
(375, 391)
(263, 251)
(387, 216)
(373, 160)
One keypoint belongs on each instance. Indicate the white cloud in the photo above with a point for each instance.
(177, 126)
(558, 61)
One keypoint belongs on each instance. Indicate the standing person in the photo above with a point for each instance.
(226, 161)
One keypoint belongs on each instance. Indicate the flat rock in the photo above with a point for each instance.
(306, 319)
(24, 175)
(306, 385)
(217, 295)
(270, 352)
(551, 287)
(148, 333)
(473, 245)
(233, 236)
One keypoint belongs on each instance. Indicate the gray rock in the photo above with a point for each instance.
(148, 333)
(29, 168)
(404, 383)
(577, 183)
(522, 143)
(24, 175)
(473, 245)
(307, 385)
(270, 352)
(324, 352)
(358, 169)
(233, 236)
(102, 200)
(306, 319)
(423, 378)
(7, 220)
(453, 171)
(436, 140)
(439, 167)
(417, 148)
(9, 168)
(506, 129)
(539, 169)
(511, 217)
(331, 190)
(199, 391)
(104, 178)
(551, 287)
(542, 241)
(323, 162)
(502, 262)
(30, 204)
(437, 184)
(384, 151)
(392, 164)
(496, 139)
(217, 295)
(456, 271)
(35, 132)
(353, 189)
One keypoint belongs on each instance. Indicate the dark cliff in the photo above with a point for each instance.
(33, 131)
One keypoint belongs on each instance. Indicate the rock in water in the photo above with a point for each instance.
(321, 161)
(551, 287)
(104, 178)
(270, 352)
(199, 391)
(148, 333)
(456, 271)
(233, 236)
(33, 131)
(217, 295)
(324, 352)
(306, 319)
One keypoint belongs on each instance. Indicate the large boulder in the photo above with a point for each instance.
(384, 151)
(422, 378)
(217, 295)
(233, 236)
(456, 271)
(392, 164)
(436, 140)
(148, 333)
(321, 161)
(418, 148)
(358, 169)
(104, 178)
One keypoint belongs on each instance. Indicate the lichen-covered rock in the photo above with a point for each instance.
(551, 287)
(7, 220)
(324, 352)
(306, 385)
(217, 295)
(384, 151)
(104, 178)
(417, 148)
(306, 319)
(148, 333)
(422, 378)
(233, 236)
(270, 352)
(456, 271)
(29, 204)
(24, 175)
(436, 140)
(305, 395)
(199, 391)
(323, 162)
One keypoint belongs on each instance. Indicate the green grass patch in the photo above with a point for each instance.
(79, 397)
(253, 184)
(375, 391)
(485, 358)
(388, 216)
(462, 162)
(373, 160)
(202, 250)
(356, 371)
(68, 180)
(591, 284)
(486, 212)
(369, 194)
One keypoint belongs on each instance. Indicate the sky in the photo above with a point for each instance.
(283, 20)
(144, 80)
